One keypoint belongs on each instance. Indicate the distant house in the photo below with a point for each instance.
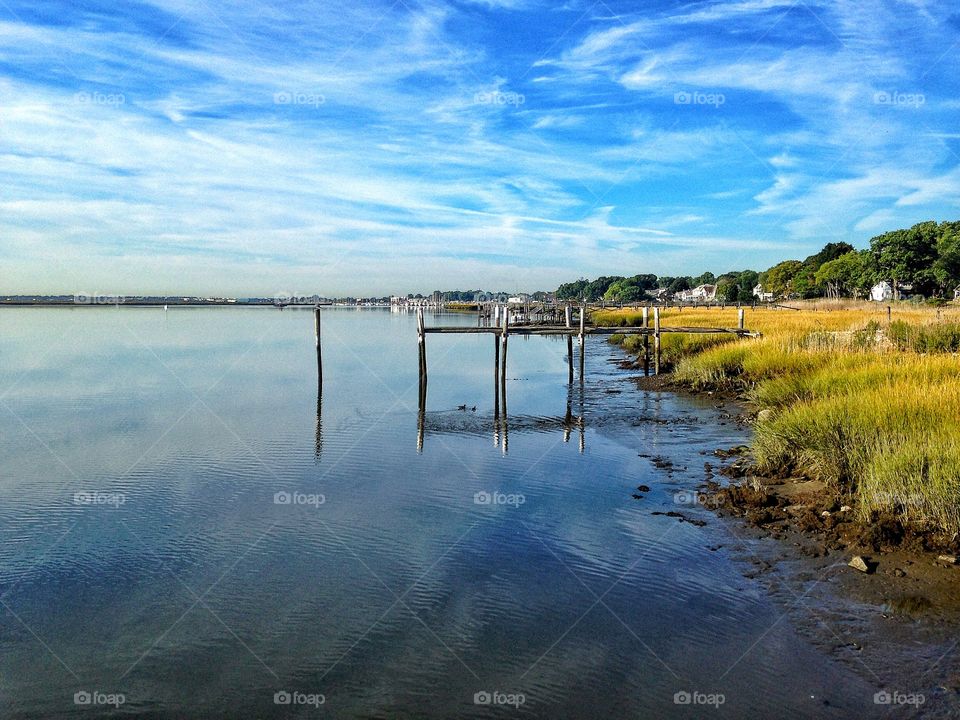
(701, 293)
(956, 293)
(660, 294)
(881, 292)
(762, 296)
(519, 299)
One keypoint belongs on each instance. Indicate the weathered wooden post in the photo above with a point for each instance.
(496, 376)
(504, 332)
(656, 341)
(422, 343)
(646, 341)
(740, 318)
(316, 322)
(889, 317)
(568, 321)
(583, 324)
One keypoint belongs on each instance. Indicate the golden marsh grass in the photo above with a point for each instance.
(870, 407)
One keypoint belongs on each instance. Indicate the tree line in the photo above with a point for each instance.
(923, 260)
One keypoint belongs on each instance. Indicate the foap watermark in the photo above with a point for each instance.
(899, 99)
(85, 298)
(497, 697)
(496, 97)
(298, 498)
(293, 697)
(114, 99)
(883, 497)
(895, 697)
(697, 97)
(93, 497)
(695, 697)
(96, 697)
(692, 497)
(498, 498)
(310, 99)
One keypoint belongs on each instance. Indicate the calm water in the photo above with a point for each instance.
(144, 553)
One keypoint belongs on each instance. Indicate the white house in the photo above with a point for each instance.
(701, 293)
(761, 295)
(881, 292)
(956, 293)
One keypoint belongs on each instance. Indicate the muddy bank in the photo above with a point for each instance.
(896, 624)
(895, 621)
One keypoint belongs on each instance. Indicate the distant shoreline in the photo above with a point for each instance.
(160, 303)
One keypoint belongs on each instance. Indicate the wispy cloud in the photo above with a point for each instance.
(191, 147)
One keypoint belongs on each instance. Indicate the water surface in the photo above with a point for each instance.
(147, 549)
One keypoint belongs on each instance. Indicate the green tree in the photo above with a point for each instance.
(908, 256)
(844, 276)
(727, 289)
(572, 290)
(779, 278)
(946, 269)
(679, 284)
(830, 251)
(747, 281)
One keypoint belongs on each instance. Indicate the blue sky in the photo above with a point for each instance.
(243, 147)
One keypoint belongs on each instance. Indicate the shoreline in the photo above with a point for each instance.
(896, 624)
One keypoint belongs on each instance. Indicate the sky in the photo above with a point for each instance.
(370, 148)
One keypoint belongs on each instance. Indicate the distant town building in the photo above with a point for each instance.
(701, 293)
(762, 296)
(881, 292)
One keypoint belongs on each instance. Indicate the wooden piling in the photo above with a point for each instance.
(583, 324)
(568, 321)
(646, 341)
(316, 322)
(656, 341)
(505, 331)
(422, 343)
(496, 374)
(740, 319)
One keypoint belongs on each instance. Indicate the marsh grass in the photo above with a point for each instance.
(871, 408)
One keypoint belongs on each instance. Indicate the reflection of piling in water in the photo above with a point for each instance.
(496, 386)
(420, 423)
(318, 444)
(318, 448)
(570, 421)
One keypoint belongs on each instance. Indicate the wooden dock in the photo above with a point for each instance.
(501, 329)
(495, 320)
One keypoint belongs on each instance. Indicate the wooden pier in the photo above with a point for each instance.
(499, 326)
(495, 320)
